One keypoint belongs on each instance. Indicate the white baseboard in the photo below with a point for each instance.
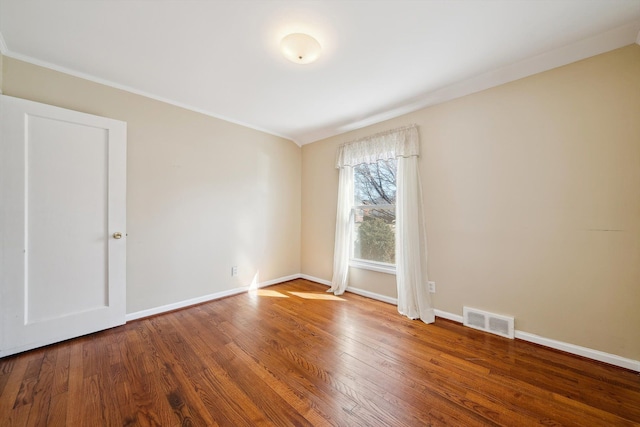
(448, 316)
(315, 279)
(205, 298)
(353, 290)
(372, 295)
(278, 280)
(589, 353)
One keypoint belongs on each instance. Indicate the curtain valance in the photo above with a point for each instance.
(400, 142)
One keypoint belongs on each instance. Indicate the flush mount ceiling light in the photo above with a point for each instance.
(300, 48)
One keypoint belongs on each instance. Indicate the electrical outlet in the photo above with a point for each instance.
(432, 287)
(234, 270)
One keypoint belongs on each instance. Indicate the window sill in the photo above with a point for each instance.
(380, 267)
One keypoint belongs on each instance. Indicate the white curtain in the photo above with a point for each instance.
(402, 142)
(411, 254)
(342, 247)
(411, 249)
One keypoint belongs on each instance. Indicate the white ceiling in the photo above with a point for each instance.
(380, 58)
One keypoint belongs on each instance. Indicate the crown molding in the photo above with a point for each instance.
(94, 79)
(604, 42)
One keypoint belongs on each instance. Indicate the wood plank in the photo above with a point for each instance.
(75, 394)
(61, 370)
(57, 415)
(39, 411)
(6, 368)
(29, 381)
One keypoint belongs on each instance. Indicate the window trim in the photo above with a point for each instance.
(386, 206)
(381, 267)
(365, 264)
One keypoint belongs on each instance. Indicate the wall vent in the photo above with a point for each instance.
(488, 322)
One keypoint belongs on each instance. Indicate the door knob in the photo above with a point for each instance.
(117, 235)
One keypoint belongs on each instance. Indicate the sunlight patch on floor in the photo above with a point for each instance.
(310, 295)
(268, 293)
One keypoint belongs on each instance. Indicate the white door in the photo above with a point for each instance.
(62, 212)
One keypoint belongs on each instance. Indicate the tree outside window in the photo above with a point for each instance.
(375, 211)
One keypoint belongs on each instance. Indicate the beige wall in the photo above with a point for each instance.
(203, 194)
(532, 193)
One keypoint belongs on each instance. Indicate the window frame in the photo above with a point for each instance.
(364, 264)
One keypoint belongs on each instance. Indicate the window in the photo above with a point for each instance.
(366, 216)
(374, 214)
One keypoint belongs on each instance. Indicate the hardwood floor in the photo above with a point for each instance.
(293, 355)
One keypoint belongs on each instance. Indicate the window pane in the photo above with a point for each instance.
(374, 231)
(375, 184)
